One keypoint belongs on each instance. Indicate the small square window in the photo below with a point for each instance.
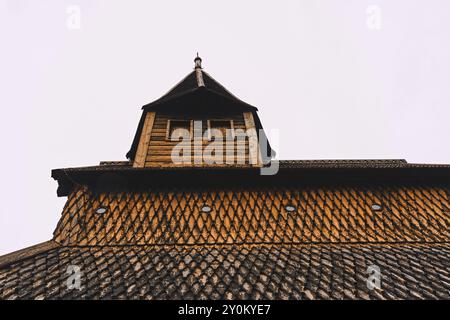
(226, 127)
(173, 125)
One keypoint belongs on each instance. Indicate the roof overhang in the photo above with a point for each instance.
(207, 99)
(298, 173)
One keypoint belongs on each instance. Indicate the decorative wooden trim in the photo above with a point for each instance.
(141, 154)
(253, 143)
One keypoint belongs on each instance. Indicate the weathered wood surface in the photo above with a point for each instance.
(139, 160)
(159, 152)
(255, 156)
(27, 252)
(322, 215)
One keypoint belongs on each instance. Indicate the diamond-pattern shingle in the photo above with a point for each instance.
(251, 216)
(232, 272)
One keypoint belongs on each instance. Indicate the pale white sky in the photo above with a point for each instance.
(319, 71)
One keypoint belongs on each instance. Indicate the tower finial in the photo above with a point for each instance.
(198, 62)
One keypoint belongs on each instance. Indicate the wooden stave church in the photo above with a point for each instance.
(147, 228)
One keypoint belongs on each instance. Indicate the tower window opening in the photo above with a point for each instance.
(226, 128)
(178, 128)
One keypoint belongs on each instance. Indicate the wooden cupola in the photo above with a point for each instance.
(199, 123)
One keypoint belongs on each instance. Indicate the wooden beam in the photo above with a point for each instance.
(141, 154)
(254, 152)
(199, 77)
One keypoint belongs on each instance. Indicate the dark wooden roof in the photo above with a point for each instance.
(158, 244)
(340, 172)
(409, 271)
(190, 86)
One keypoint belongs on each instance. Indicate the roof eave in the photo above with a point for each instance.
(158, 103)
(325, 172)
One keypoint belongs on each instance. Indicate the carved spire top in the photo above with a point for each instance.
(198, 62)
(198, 71)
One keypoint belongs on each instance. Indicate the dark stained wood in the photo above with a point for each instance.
(27, 252)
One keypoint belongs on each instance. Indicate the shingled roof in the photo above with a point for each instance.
(320, 271)
(314, 230)
(198, 81)
(281, 241)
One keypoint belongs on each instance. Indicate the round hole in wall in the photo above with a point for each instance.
(376, 207)
(290, 208)
(101, 210)
(206, 209)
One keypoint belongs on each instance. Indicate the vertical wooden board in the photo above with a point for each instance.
(254, 152)
(141, 154)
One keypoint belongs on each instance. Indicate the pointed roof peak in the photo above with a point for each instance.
(196, 80)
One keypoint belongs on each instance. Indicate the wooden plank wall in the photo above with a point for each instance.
(160, 149)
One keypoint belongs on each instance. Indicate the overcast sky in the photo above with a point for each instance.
(348, 79)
